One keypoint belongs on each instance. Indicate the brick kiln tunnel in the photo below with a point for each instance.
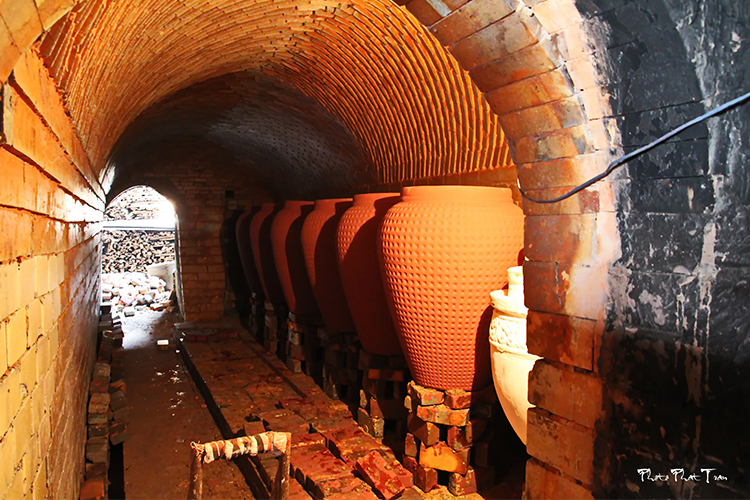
(636, 286)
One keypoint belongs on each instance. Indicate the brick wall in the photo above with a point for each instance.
(50, 206)
(675, 363)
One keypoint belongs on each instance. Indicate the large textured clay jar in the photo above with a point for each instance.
(319, 244)
(444, 249)
(286, 238)
(260, 240)
(242, 231)
(358, 235)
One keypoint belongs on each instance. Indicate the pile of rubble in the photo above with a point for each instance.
(134, 292)
(133, 250)
(138, 203)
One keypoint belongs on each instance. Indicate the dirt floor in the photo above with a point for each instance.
(167, 413)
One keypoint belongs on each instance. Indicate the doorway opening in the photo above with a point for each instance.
(138, 252)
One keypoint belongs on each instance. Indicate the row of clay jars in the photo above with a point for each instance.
(442, 250)
(244, 246)
(342, 282)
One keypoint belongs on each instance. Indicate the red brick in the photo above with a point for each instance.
(529, 62)
(423, 11)
(458, 439)
(569, 239)
(463, 484)
(313, 466)
(494, 42)
(360, 494)
(442, 457)
(350, 487)
(562, 444)
(564, 392)
(22, 20)
(411, 447)
(547, 117)
(533, 91)
(425, 478)
(375, 471)
(9, 52)
(562, 338)
(372, 425)
(543, 482)
(410, 463)
(469, 19)
(352, 449)
(253, 428)
(424, 396)
(563, 143)
(441, 414)
(308, 440)
(93, 489)
(426, 432)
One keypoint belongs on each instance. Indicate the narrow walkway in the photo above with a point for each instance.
(242, 389)
(254, 391)
(167, 412)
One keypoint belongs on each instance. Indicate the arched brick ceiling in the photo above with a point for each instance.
(371, 65)
(271, 133)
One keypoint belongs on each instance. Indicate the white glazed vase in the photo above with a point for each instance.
(511, 361)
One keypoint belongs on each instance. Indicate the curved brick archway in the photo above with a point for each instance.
(533, 64)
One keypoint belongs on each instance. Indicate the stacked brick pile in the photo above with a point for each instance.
(381, 399)
(274, 328)
(257, 317)
(108, 410)
(341, 375)
(332, 458)
(450, 431)
(303, 352)
(134, 292)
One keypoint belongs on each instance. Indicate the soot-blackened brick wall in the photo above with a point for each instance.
(676, 361)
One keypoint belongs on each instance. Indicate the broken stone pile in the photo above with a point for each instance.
(138, 203)
(134, 292)
(133, 250)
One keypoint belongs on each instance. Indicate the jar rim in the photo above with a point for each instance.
(472, 194)
(369, 197)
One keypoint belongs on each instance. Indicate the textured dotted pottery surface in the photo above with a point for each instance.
(444, 249)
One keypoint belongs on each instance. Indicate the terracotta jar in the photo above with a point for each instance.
(358, 234)
(444, 249)
(242, 231)
(286, 238)
(511, 361)
(319, 244)
(260, 240)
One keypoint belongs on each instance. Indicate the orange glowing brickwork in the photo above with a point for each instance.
(374, 67)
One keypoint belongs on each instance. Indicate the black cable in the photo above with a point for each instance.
(616, 163)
